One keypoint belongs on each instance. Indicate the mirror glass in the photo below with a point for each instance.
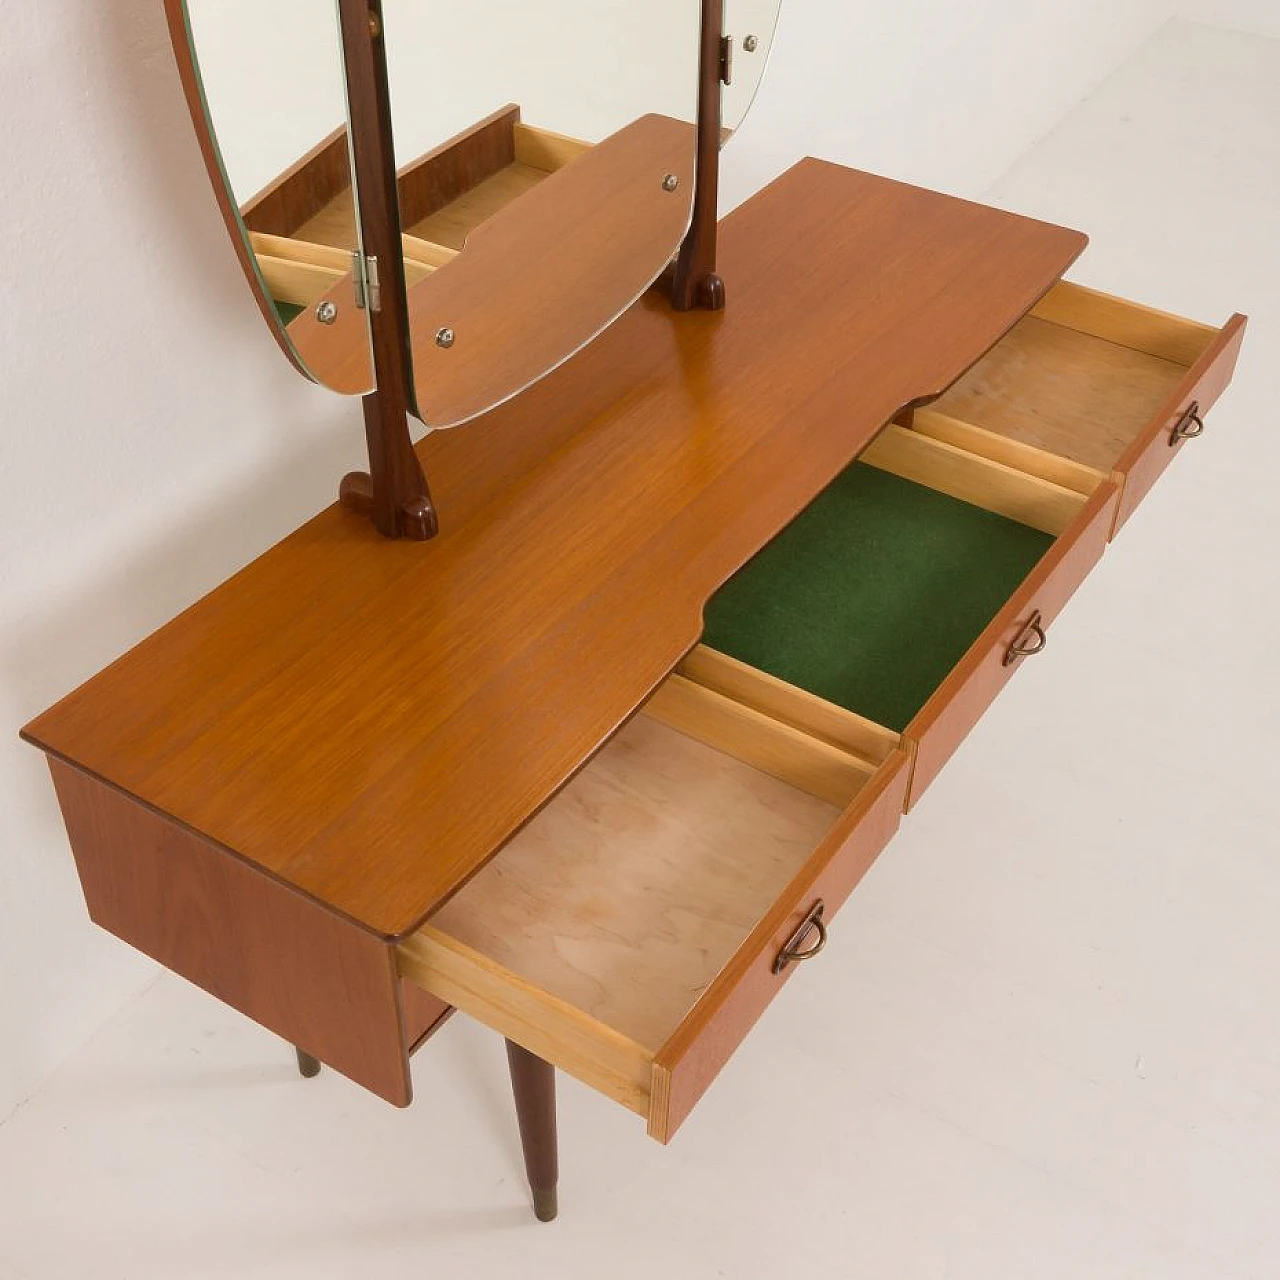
(272, 81)
(751, 26)
(546, 155)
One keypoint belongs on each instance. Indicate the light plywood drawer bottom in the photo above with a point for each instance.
(630, 933)
(1099, 381)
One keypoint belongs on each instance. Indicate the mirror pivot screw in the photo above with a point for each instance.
(670, 182)
(751, 43)
(326, 312)
(445, 338)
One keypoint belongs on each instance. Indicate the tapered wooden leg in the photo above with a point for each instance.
(308, 1066)
(534, 1084)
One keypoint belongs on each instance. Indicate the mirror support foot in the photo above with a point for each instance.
(415, 519)
(710, 293)
(393, 493)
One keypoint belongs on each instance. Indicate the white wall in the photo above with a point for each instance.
(155, 439)
(945, 93)
(1259, 16)
(273, 97)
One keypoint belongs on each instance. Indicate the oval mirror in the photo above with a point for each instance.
(267, 84)
(546, 157)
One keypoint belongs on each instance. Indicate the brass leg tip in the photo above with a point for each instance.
(546, 1205)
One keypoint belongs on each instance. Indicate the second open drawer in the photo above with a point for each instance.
(914, 587)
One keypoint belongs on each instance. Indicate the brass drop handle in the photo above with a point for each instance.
(794, 949)
(1031, 640)
(1188, 427)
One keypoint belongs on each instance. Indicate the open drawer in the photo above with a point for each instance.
(915, 586)
(634, 931)
(1100, 381)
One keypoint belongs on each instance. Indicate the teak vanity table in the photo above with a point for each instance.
(586, 717)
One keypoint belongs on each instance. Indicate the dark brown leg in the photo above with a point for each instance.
(307, 1065)
(534, 1084)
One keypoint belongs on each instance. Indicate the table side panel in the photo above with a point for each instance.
(321, 982)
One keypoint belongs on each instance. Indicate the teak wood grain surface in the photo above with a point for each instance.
(326, 984)
(368, 721)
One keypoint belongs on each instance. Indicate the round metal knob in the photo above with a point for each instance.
(327, 312)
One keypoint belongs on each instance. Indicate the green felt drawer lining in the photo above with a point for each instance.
(874, 593)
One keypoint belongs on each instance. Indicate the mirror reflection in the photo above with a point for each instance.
(272, 81)
(546, 156)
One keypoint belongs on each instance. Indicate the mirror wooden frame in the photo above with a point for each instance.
(394, 492)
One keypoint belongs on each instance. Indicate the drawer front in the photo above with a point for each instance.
(1180, 420)
(948, 716)
(689, 1062)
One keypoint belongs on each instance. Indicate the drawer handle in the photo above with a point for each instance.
(1028, 642)
(1188, 427)
(794, 950)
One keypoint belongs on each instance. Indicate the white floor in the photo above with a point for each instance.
(1045, 1040)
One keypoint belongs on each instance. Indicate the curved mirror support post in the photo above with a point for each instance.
(737, 39)
(394, 490)
(265, 86)
(697, 283)
(548, 163)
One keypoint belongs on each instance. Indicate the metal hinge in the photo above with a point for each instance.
(364, 273)
(726, 59)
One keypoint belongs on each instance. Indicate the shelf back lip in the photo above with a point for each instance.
(369, 721)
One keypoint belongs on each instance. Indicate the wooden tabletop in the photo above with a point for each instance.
(369, 721)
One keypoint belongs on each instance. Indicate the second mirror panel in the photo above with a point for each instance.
(272, 84)
(546, 156)
(751, 26)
